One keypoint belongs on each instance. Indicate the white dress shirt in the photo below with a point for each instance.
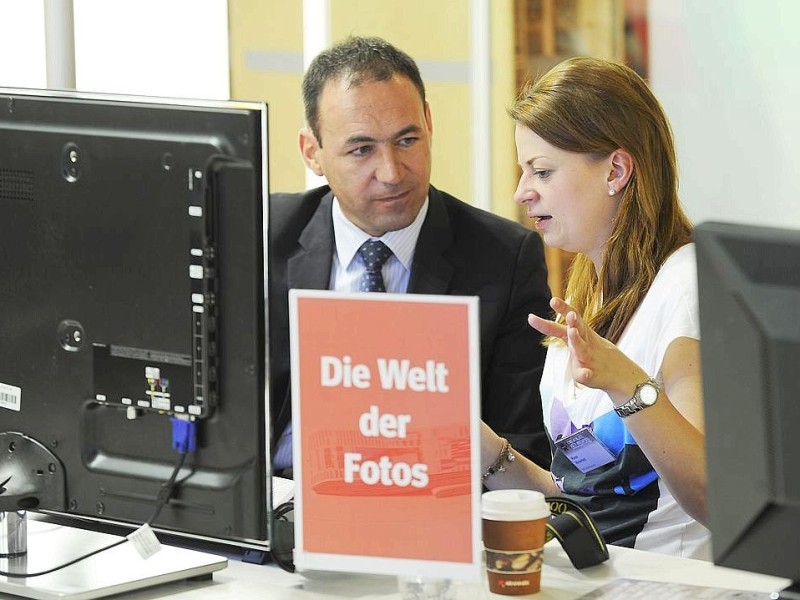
(348, 266)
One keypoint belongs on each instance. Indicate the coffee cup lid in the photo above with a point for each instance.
(514, 505)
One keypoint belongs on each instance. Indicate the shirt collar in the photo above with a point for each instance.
(349, 237)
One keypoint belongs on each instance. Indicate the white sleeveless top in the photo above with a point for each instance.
(630, 503)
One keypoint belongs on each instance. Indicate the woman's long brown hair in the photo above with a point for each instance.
(595, 106)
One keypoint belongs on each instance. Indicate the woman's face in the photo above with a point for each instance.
(566, 194)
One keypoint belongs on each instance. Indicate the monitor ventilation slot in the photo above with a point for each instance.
(16, 185)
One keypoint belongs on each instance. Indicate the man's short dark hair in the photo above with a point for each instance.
(359, 59)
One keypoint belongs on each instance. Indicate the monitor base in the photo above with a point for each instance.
(113, 571)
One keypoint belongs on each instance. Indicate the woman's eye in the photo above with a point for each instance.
(542, 173)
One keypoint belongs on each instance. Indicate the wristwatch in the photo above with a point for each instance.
(645, 395)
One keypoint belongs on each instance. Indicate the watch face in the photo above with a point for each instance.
(648, 394)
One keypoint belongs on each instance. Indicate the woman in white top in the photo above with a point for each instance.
(621, 389)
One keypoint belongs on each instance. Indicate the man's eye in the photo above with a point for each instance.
(407, 141)
(361, 151)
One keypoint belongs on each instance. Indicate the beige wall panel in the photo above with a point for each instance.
(274, 24)
(282, 94)
(266, 53)
(504, 153)
(426, 29)
(437, 35)
(452, 139)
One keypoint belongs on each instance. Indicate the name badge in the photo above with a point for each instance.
(585, 450)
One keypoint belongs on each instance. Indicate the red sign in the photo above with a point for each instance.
(385, 418)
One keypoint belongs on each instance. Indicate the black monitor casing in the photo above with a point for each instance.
(749, 292)
(132, 264)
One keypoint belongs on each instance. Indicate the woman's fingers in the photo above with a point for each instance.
(548, 328)
(560, 306)
(575, 333)
(551, 328)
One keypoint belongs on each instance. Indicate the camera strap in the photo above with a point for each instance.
(576, 531)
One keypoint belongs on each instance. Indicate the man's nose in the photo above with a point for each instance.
(390, 168)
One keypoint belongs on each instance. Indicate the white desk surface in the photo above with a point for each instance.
(560, 581)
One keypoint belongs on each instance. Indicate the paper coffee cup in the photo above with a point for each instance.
(513, 537)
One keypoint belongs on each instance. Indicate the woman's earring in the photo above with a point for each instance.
(611, 191)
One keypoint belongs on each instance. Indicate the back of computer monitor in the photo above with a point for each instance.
(749, 287)
(132, 302)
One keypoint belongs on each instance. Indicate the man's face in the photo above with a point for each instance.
(375, 152)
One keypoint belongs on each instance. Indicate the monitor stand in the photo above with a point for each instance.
(114, 571)
(790, 593)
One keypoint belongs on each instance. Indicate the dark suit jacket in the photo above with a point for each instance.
(461, 250)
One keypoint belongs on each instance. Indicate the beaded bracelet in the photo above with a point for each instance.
(506, 455)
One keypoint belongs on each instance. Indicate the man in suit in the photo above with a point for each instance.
(369, 133)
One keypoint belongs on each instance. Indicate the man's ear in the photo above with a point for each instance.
(309, 147)
(621, 169)
(429, 119)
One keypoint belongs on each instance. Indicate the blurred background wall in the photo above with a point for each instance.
(723, 69)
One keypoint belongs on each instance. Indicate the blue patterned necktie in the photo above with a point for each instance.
(374, 253)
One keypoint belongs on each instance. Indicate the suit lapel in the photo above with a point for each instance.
(432, 272)
(310, 266)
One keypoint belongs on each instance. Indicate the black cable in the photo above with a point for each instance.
(65, 565)
(282, 542)
(163, 497)
(167, 488)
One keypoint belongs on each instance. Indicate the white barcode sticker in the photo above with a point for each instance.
(10, 396)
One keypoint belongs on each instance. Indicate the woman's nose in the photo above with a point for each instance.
(524, 193)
